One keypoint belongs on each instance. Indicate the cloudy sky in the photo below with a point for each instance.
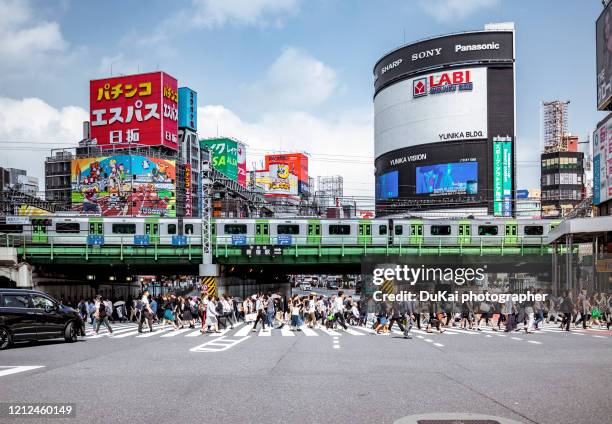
(281, 75)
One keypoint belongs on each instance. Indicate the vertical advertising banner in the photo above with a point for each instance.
(507, 178)
(241, 167)
(497, 177)
(187, 108)
(188, 196)
(602, 163)
(224, 155)
(137, 109)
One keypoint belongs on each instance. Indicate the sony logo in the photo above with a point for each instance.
(426, 53)
(390, 66)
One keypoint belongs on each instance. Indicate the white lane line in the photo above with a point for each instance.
(308, 331)
(194, 333)
(177, 332)
(488, 335)
(7, 370)
(155, 332)
(428, 340)
(286, 332)
(438, 344)
(601, 337)
(355, 333)
(534, 342)
(265, 333)
(420, 337)
(214, 345)
(516, 338)
(336, 343)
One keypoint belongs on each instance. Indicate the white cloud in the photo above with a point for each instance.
(29, 128)
(454, 10)
(24, 39)
(211, 14)
(295, 80)
(340, 145)
(216, 13)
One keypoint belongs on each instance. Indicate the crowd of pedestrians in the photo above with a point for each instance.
(267, 311)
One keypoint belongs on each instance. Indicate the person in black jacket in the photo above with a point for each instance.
(567, 307)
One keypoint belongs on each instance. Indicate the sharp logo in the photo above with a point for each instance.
(390, 66)
(426, 53)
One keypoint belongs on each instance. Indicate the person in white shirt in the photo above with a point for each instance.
(338, 309)
(145, 312)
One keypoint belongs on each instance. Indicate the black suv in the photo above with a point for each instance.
(33, 315)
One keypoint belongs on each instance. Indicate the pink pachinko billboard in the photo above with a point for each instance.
(137, 109)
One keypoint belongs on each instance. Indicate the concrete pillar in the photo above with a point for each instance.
(555, 271)
(24, 276)
(568, 262)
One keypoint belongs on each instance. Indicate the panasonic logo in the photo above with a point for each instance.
(426, 53)
(472, 47)
(391, 66)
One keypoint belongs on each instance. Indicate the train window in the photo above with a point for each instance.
(382, 230)
(288, 229)
(235, 228)
(487, 230)
(188, 228)
(440, 230)
(171, 228)
(67, 227)
(339, 230)
(399, 230)
(534, 230)
(10, 228)
(124, 228)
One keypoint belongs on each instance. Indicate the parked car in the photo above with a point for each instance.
(32, 315)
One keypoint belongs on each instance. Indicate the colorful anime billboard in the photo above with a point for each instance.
(124, 185)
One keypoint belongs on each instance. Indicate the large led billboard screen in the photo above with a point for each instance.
(603, 41)
(447, 178)
(124, 185)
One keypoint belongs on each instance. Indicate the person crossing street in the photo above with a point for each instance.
(146, 313)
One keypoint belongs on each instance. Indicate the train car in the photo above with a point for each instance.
(239, 232)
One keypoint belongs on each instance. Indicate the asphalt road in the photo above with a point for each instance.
(280, 377)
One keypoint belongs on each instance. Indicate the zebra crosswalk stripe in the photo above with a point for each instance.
(176, 332)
